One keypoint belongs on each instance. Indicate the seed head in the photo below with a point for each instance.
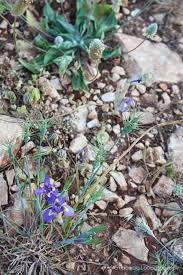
(20, 7)
(96, 49)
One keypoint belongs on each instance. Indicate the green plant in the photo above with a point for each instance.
(78, 46)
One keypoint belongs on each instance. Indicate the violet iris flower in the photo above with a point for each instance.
(57, 203)
(125, 104)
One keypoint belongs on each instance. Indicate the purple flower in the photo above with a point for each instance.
(68, 211)
(49, 215)
(54, 211)
(126, 102)
(58, 205)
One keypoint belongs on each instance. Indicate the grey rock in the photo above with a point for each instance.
(78, 120)
(78, 143)
(47, 88)
(145, 208)
(175, 149)
(157, 58)
(108, 97)
(129, 241)
(11, 133)
(164, 187)
(3, 191)
(120, 180)
(137, 174)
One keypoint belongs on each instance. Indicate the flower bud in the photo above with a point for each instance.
(96, 49)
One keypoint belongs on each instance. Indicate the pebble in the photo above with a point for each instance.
(113, 185)
(116, 129)
(93, 123)
(137, 156)
(135, 93)
(108, 97)
(118, 70)
(125, 212)
(3, 191)
(164, 187)
(120, 180)
(143, 206)
(47, 88)
(141, 88)
(137, 174)
(101, 204)
(78, 143)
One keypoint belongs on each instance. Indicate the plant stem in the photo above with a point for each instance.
(136, 46)
(14, 33)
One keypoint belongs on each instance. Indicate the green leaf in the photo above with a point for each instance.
(36, 96)
(105, 19)
(41, 42)
(64, 26)
(109, 53)
(51, 54)
(78, 82)
(36, 66)
(4, 6)
(49, 13)
(83, 15)
(63, 62)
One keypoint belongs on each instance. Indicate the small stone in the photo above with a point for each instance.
(113, 185)
(128, 199)
(137, 174)
(109, 196)
(135, 93)
(27, 147)
(3, 191)
(146, 118)
(10, 175)
(108, 97)
(120, 203)
(101, 85)
(137, 156)
(115, 77)
(163, 86)
(47, 88)
(120, 180)
(78, 143)
(93, 123)
(129, 241)
(125, 260)
(144, 207)
(101, 204)
(78, 120)
(125, 212)
(175, 149)
(164, 187)
(159, 155)
(141, 88)
(56, 83)
(14, 188)
(118, 70)
(116, 129)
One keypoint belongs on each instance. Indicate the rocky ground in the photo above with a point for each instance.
(146, 177)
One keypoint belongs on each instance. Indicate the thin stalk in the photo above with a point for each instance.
(14, 33)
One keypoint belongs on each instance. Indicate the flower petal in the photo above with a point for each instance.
(47, 181)
(49, 215)
(40, 191)
(68, 211)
